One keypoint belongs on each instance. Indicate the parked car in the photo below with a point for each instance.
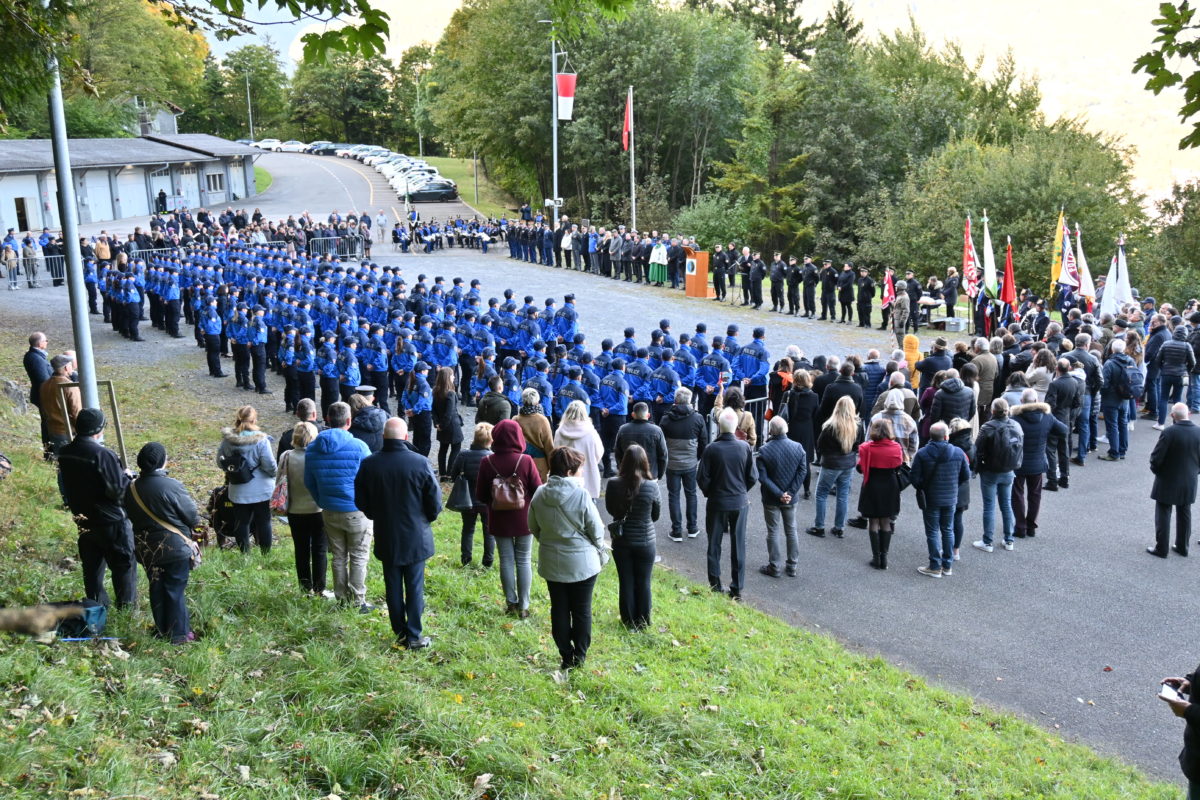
(372, 160)
(291, 146)
(362, 155)
(245, 141)
(314, 145)
(267, 144)
(329, 149)
(438, 191)
(345, 150)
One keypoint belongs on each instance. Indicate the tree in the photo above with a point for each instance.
(259, 67)
(841, 19)
(776, 23)
(714, 219)
(344, 98)
(1177, 42)
(1022, 186)
(1167, 268)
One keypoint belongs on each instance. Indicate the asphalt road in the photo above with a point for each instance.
(1033, 631)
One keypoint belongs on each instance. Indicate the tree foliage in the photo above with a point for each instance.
(713, 219)
(1022, 186)
(344, 98)
(1168, 267)
(1176, 50)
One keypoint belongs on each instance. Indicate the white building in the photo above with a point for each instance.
(120, 178)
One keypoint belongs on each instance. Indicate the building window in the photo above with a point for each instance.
(161, 172)
(214, 181)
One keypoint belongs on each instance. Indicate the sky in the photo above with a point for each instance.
(1081, 51)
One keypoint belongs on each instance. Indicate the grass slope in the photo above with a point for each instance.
(262, 180)
(289, 697)
(493, 201)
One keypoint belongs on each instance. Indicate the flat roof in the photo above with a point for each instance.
(35, 155)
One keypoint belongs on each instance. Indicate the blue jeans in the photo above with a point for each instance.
(997, 486)
(687, 482)
(939, 535)
(1170, 391)
(825, 484)
(1152, 386)
(1116, 425)
(1193, 397)
(1083, 424)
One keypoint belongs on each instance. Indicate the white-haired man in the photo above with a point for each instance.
(726, 475)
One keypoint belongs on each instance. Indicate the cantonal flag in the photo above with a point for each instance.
(627, 128)
(970, 262)
(565, 85)
(889, 290)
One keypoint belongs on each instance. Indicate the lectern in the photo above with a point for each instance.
(696, 282)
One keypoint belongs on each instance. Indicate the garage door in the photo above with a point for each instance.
(131, 190)
(99, 198)
(237, 179)
(189, 186)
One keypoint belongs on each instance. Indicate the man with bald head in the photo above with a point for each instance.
(396, 488)
(1175, 462)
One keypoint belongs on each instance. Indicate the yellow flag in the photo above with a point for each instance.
(1057, 261)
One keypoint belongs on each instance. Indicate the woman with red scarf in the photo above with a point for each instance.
(879, 460)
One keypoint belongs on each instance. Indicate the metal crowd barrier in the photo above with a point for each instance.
(344, 247)
(758, 409)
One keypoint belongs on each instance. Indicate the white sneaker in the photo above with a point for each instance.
(932, 573)
(1102, 439)
(1008, 546)
(693, 535)
(1131, 426)
(946, 573)
(957, 556)
(1156, 427)
(979, 545)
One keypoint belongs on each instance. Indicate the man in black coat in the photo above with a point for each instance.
(866, 294)
(94, 484)
(726, 475)
(1175, 462)
(37, 367)
(811, 277)
(845, 285)
(1064, 395)
(829, 282)
(843, 386)
(396, 489)
(912, 286)
(641, 431)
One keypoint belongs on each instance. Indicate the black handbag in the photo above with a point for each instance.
(460, 495)
(904, 476)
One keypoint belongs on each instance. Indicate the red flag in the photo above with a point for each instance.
(1008, 292)
(628, 127)
(565, 88)
(969, 272)
(889, 290)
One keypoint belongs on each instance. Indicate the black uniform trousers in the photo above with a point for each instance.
(421, 426)
(719, 284)
(132, 317)
(91, 293)
(212, 349)
(171, 314)
(608, 437)
(756, 296)
(168, 582)
(241, 364)
(291, 387)
(405, 590)
(635, 566)
(776, 295)
(329, 394)
(109, 547)
(308, 385)
(258, 355)
(1183, 526)
(828, 307)
(864, 315)
(571, 618)
(793, 300)
(810, 300)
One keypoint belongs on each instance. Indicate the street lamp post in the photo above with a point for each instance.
(554, 54)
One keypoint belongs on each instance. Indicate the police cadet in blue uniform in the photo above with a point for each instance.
(614, 409)
(258, 349)
(663, 383)
(712, 376)
(210, 324)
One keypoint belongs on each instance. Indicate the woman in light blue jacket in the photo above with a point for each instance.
(571, 553)
(247, 458)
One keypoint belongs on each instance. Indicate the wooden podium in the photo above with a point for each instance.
(696, 283)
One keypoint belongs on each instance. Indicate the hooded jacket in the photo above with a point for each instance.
(331, 462)
(686, 433)
(508, 458)
(367, 426)
(569, 531)
(938, 469)
(1037, 424)
(953, 399)
(255, 447)
(581, 436)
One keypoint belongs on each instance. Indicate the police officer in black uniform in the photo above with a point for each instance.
(829, 280)
(866, 293)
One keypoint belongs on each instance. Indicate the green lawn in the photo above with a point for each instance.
(262, 180)
(493, 201)
(289, 697)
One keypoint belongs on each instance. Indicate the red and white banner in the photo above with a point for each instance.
(889, 290)
(565, 84)
(627, 129)
(970, 273)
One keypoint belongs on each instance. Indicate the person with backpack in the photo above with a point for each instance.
(505, 485)
(248, 461)
(1037, 425)
(1174, 360)
(999, 450)
(1083, 359)
(1121, 380)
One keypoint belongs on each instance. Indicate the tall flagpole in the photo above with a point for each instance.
(632, 181)
(554, 122)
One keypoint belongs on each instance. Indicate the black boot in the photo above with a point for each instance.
(885, 541)
(874, 548)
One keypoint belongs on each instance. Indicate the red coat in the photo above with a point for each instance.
(508, 455)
